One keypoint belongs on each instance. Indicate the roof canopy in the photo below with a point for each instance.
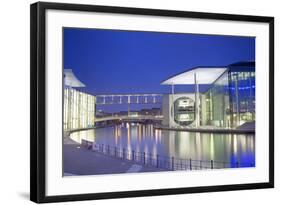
(204, 75)
(71, 80)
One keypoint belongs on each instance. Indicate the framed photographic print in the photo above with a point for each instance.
(129, 102)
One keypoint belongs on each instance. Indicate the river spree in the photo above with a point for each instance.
(230, 148)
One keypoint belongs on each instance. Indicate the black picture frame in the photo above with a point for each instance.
(38, 101)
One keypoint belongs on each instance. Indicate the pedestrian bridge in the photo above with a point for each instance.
(134, 117)
(129, 99)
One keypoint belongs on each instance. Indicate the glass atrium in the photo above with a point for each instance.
(230, 102)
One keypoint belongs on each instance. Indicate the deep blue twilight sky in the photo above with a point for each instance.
(109, 61)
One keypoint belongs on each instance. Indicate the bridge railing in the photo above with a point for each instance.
(162, 162)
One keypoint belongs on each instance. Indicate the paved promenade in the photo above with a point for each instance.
(80, 161)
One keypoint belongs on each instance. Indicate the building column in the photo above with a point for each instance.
(237, 102)
(173, 111)
(197, 110)
(129, 102)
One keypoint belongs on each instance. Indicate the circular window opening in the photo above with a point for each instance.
(184, 111)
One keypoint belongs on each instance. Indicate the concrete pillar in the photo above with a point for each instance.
(197, 110)
(129, 101)
(237, 102)
(203, 110)
(172, 105)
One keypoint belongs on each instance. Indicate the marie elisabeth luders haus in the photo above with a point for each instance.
(228, 103)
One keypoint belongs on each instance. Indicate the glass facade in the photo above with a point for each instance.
(231, 100)
(79, 109)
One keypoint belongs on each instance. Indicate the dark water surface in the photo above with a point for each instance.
(231, 148)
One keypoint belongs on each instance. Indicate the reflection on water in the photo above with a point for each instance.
(185, 145)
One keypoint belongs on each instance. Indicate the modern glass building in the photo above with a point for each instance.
(229, 102)
(79, 107)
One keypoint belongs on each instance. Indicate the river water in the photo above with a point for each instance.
(230, 148)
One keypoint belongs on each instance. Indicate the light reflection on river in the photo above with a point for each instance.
(178, 144)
